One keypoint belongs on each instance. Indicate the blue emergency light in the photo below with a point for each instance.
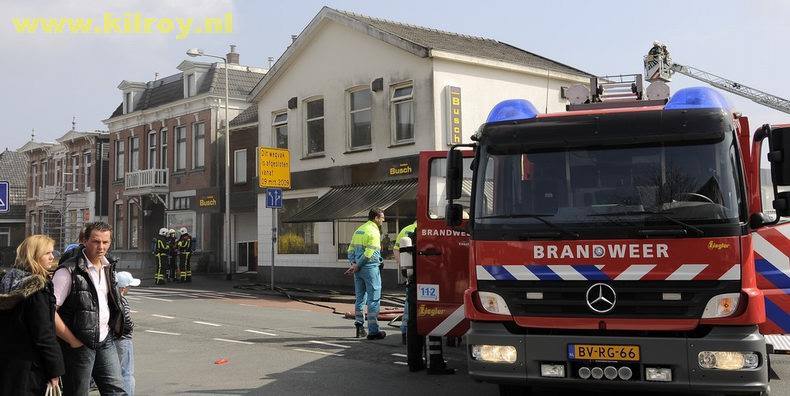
(512, 110)
(697, 98)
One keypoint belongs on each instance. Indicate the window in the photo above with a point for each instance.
(163, 152)
(359, 118)
(33, 223)
(191, 85)
(34, 179)
(127, 102)
(44, 169)
(181, 203)
(58, 172)
(134, 225)
(152, 150)
(240, 166)
(199, 145)
(75, 171)
(87, 157)
(766, 184)
(181, 148)
(280, 130)
(315, 126)
(295, 238)
(5, 237)
(437, 188)
(118, 224)
(134, 154)
(119, 159)
(402, 108)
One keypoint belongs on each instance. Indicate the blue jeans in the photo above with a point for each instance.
(126, 356)
(102, 364)
(367, 286)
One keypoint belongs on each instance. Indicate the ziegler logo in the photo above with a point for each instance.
(424, 311)
(718, 245)
(614, 250)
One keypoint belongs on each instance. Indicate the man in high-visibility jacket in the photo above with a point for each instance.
(185, 250)
(364, 253)
(409, 229)
(161, 248)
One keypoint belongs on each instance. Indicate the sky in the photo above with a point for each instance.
(50, 78)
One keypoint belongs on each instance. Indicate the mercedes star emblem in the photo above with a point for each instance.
(601, 298)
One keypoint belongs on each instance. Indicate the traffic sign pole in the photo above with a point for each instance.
(274, 242)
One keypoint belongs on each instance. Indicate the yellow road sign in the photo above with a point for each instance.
(274, 168)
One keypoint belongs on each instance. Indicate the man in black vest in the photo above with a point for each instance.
(88, 316)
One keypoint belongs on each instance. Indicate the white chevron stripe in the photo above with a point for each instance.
(635, 272)
(567, 272)
(733, 273)
(687, 272)
(521, 272)
(449, 322)
(784, 229)
(482, 274)
(771, 253)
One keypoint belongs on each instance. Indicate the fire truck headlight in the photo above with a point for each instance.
(727, 360)
(494, 353)
(721, 306)
(493, 303)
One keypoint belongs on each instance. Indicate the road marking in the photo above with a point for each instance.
(318, 352)
(399, 355)
(163, 316)
(206, 323)
(132, 298)
(248, 305)
(158, 299)
(162, 332)
(132, 311)
(330, 344)
(235, 341)
(261, 332)
(401, 363)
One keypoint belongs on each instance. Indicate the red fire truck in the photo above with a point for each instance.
(627, 244)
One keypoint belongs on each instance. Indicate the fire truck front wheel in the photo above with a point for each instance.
(514, 390)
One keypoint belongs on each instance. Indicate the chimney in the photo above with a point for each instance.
(293, 37)
(232, 56)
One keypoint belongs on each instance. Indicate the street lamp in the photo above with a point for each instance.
(194, 52)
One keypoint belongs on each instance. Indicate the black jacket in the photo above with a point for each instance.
(80, 309)
(29, 353)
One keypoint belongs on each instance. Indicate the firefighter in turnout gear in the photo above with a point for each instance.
(160, 251)
(172, 262)
(185, 250)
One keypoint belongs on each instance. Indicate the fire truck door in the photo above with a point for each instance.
(442, 259)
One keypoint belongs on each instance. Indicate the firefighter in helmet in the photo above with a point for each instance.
(160, 251)
(185, 250)
(172, 267)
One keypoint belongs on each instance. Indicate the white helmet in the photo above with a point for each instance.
(163, 231)
(171, 231)
(183, 230)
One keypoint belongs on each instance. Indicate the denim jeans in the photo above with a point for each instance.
(102, 364)
(126, 356)
(367, 286)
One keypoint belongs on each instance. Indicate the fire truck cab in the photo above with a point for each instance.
(625, 247)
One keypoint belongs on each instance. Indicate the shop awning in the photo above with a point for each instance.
(353, 201)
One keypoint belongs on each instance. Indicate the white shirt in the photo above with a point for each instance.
(61, 283)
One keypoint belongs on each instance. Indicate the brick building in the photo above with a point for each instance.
(167, 158)
(244, 190)
(12, 223)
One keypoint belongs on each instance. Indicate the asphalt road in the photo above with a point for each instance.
(206, 338)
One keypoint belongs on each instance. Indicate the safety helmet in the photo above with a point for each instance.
(183, 230)
(163, 231)
(171, 231)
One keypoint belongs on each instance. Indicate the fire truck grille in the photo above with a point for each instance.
(634, 299)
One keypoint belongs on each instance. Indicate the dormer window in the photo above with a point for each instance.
(191, 85)
(128, 102)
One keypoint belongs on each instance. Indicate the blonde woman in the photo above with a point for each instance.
(30, 356)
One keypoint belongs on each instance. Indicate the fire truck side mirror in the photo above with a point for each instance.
(455, 172)
(779, 156)
(454, 214)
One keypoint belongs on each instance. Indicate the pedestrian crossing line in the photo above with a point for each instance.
(163, 316)
(158, 299)
(329, 344)
(399, 355)
(132, 311)
(162, 332)
(132, 298)
(206, 323)
(233, 341)
(261, 332)
(401, 363)
(318, 352)
(248, 305)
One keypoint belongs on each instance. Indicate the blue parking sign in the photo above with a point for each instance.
(274, 198)
(5, 206)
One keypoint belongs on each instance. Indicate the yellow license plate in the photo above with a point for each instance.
(603, 352)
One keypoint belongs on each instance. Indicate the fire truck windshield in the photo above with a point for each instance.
(614, 191)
